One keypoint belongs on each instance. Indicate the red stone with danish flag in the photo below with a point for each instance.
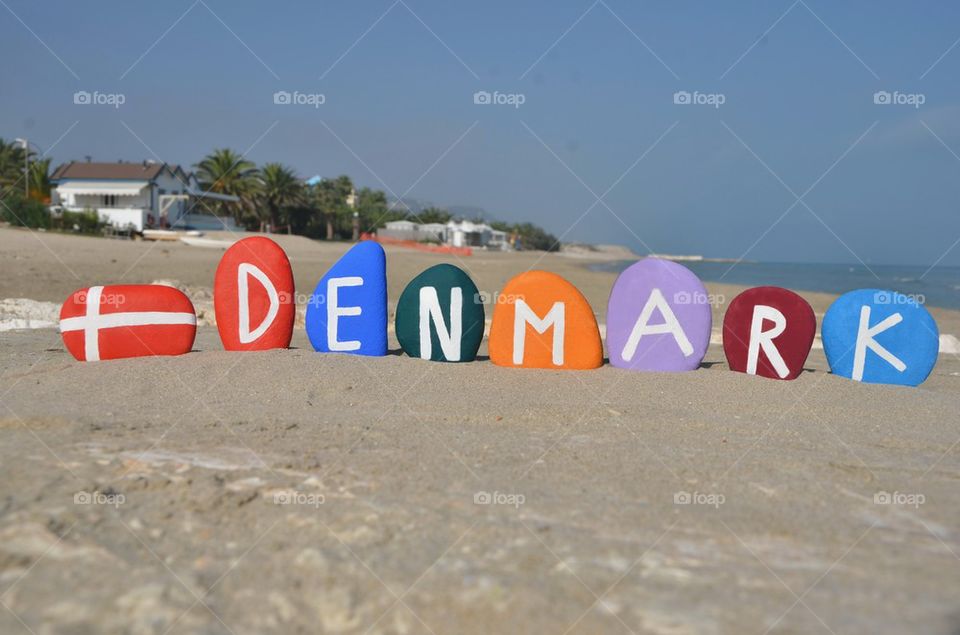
(127, 320)
(253, 296)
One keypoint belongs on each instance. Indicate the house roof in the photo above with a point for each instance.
(145, 171)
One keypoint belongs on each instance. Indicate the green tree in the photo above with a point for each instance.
(304, 219)
(344, 207)
(433, 215)
(330, 198)
(531, 236)
(40, 180)
(373, 209)
(534, 237)
(226, 172)
(11, 166)
(280, 190)
(307, 218)
(24, 212)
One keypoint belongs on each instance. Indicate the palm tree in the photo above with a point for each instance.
(280, 189)
(225, 172)
(373, 209)
(39, 177)
(330, 197)
(11, 164)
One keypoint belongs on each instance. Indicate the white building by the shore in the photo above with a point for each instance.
(133, 196)
(454, 233)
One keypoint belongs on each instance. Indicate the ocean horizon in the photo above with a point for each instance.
(938, 286)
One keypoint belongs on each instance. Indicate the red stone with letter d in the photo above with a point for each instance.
(253, 296)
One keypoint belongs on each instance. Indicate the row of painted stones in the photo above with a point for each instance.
(659, 318)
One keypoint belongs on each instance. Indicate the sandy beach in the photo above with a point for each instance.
(294, 492)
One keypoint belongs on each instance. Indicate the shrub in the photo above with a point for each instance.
(86, 222)
(24, 212)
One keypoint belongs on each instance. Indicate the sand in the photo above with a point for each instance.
(292, 492)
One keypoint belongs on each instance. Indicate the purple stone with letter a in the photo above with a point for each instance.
(658, 318)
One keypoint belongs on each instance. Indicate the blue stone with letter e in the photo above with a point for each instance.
(880, 337)
(347, 312)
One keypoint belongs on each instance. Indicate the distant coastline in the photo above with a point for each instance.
(939, 286)
(693, 258)
(619, 252)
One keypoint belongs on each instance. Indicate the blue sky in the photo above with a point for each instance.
(598, 83)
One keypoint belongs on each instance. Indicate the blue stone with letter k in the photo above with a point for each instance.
(880, 337)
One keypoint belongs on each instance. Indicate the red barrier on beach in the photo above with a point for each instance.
(412, 244)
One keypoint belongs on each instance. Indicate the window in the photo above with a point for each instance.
(109, 200)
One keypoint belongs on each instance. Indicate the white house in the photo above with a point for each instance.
(469, 234)
(499, 240)
(437, 231)
(402, 226)
(456, 233)
(131, 196)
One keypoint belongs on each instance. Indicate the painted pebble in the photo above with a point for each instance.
(768, 331)
(440, 316)
(542, 321)
(347, 312)
(253, 296)
(880, 337)
(658, 318)
(118, 321)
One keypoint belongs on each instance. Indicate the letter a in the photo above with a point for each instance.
(670, 325)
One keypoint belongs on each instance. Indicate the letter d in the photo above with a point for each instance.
(244, 271)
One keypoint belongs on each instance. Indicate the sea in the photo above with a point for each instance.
(938, 287)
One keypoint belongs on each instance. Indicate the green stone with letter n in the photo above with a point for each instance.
(440, 316)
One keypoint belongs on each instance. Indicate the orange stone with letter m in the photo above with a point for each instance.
(542, 321)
